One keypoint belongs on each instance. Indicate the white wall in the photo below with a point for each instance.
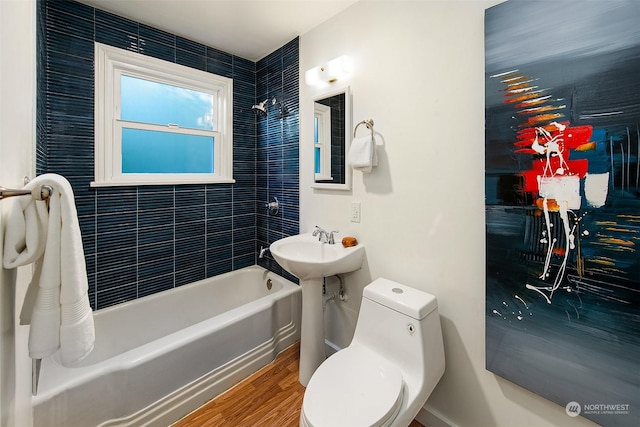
(17, 136)
(419, 73)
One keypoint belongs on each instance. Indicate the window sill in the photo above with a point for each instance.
(141, 183)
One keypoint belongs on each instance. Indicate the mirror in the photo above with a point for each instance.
(331, 139)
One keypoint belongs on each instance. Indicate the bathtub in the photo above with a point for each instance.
(159, 357)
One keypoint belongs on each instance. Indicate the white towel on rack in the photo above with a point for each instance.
(57, 304)
(362, 154)
(26, 233)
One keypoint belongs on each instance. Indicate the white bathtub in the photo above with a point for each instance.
(160, 357)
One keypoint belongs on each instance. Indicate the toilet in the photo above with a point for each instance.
(392, 365)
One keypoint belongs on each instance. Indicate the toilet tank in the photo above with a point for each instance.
(403, 325)
(403, 299)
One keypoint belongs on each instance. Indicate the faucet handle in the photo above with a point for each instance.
(330, 237)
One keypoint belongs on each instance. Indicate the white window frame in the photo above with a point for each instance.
(110, 64)
(323, 114)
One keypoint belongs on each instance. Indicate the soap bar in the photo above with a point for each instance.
(349, 241)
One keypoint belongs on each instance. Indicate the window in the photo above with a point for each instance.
(157, 122)
(322, 141)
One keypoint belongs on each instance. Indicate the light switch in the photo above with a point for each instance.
(355, 211)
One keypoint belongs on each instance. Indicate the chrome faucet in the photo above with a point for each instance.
(324, 236)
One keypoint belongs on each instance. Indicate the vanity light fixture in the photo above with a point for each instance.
(334, 70)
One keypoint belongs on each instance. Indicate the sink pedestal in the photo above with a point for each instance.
(312, 352)
(310, 260)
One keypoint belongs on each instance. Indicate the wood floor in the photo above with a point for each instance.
(271, 397)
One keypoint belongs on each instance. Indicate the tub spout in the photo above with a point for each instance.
(263, 252)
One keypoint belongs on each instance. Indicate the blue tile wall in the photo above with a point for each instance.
(277, 163)
(41, 120)
(146, 239)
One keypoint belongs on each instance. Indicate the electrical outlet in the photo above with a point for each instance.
(355, 211)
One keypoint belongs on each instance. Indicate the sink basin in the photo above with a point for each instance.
(306, 258)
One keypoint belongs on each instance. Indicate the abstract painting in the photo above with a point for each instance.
(562, 190)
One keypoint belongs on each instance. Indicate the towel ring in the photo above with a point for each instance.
(368, 123)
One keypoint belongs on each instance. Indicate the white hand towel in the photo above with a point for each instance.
(57, 304)
(362, 154)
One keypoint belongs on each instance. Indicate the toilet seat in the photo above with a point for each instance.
(353, 388)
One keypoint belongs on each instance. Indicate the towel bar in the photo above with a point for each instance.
(45, 192)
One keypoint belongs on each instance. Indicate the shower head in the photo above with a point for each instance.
(260, 107)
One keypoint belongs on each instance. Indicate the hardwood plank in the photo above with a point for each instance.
(272, 413)
(270, 397)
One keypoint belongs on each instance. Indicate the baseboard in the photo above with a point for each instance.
(429, 419)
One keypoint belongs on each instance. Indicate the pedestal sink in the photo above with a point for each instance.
(310, 261)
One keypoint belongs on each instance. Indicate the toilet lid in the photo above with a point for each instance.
(353, 388)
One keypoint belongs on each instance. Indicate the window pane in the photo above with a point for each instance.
(145, 151)
(147, 101)
(316, 137)
(316, 160)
